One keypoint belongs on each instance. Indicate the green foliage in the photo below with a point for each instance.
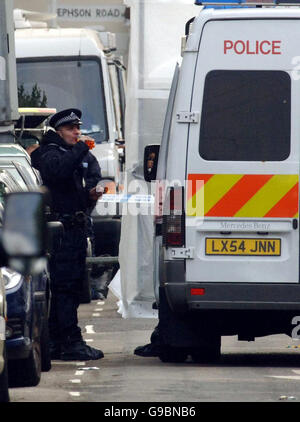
(34, 99)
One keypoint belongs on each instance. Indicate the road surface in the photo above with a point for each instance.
(267, 370)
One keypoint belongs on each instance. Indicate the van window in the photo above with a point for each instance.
(246, 116)
(65, 84)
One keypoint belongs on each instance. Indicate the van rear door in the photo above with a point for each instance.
(243, 156)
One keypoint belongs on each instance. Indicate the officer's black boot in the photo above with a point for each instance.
(148, 350)
(79, 350)
(152, 349)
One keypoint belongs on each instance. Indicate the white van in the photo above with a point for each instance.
(64, 68)
(227, 246)
(71, 67)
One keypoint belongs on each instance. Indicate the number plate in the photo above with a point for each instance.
(242, 247)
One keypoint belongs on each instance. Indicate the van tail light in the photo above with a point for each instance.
(197, 292)
(174, 218)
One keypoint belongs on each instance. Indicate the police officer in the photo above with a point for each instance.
(71, 173)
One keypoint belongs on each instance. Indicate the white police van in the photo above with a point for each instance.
(227, 230)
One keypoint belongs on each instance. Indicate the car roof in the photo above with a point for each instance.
(13, 152)
(22, 171)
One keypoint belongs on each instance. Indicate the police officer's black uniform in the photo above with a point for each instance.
(69, 172)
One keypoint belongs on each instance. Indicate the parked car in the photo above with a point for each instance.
(27, 327)
(18, 172)
(6, 184)
(27, 314)
(22, 248)
(16, 153)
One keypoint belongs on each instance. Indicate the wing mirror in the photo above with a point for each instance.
(24, 233)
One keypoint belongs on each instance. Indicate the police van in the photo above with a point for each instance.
(227, 221)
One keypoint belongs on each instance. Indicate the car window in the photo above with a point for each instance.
(22, 160)
(28, 173)
(246, 116)
(1, 213)
(32, 172)
(16, 175)
(3, 191)
(11, 185)
(15, 169)
(25, 175)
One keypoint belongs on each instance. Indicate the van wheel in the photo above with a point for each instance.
(4, 394)
(208, 352)
(170, 354)
(26, 372)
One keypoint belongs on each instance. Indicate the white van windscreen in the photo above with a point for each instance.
(246, 116)
(66, 84)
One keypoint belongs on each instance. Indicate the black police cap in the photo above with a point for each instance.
(66, 117)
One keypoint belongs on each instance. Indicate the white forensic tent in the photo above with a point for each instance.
(157, 27)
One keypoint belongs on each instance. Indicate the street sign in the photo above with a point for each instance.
(103, 13)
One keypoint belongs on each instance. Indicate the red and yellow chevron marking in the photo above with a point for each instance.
(243, 195)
